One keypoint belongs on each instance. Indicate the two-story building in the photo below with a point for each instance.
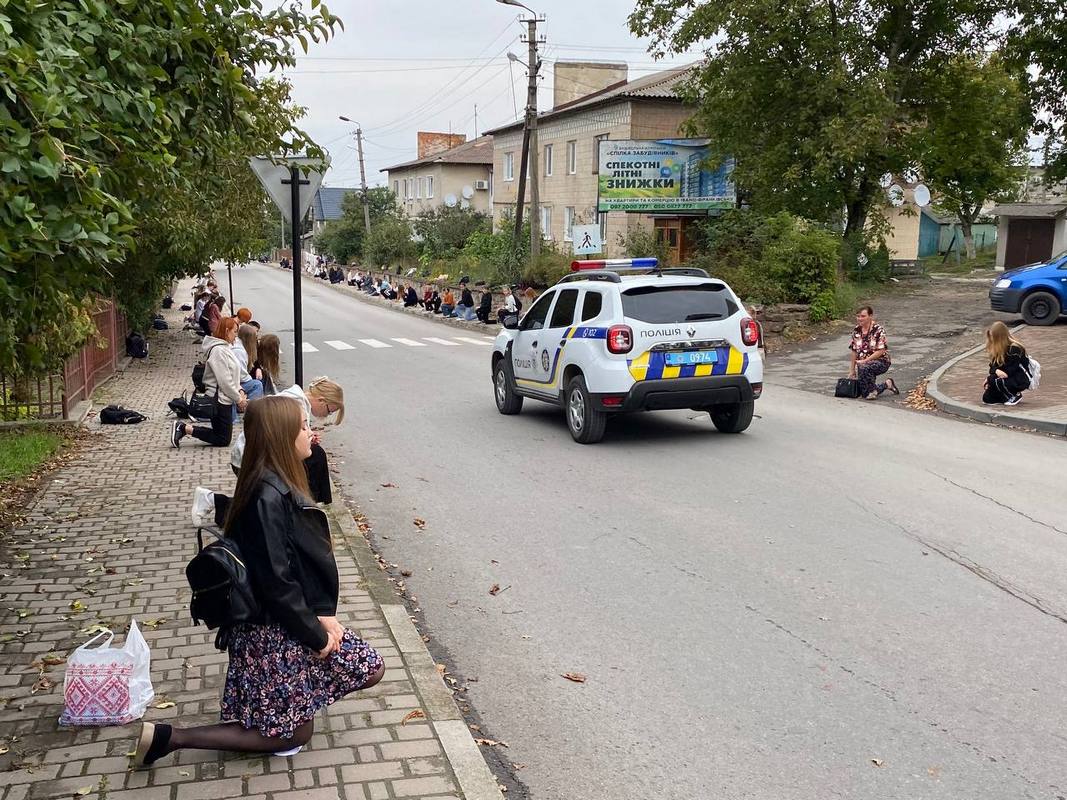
(448, 171)
(592, 102)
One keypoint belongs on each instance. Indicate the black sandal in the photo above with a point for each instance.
(152, 744)
(891, 385)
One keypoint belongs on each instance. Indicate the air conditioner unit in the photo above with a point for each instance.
(483, 185)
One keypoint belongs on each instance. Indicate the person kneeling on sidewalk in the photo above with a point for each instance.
(297, 658)
(1008, 367)
(322, 399)
(870, 355)
(222, 380)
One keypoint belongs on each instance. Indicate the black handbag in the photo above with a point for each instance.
(847, 387)
(203, 406)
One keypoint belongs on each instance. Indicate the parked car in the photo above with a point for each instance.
(1037, 291)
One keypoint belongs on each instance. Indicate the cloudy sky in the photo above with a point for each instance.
(402, 66)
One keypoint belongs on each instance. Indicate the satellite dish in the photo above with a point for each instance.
(450, 200)
(468, 192)
(922, 195)
(886, 180)
(896, 195)
(910, 176)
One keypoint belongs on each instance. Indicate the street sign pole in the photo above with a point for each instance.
(298, 252)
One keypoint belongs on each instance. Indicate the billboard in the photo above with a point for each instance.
(661, 176)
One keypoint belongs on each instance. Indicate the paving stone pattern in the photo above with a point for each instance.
(113, 531)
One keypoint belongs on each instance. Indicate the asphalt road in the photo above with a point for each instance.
(849, 600)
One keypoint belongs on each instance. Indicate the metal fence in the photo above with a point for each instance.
(54, 396)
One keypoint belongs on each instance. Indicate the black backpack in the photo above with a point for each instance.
(117, 415)
(160, 324)
(198, 370)
(179, 406)
(136, 346)
(222, 590)
(168, 301)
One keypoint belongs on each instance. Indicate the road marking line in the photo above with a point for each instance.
(309, 348)
(374, 343)
(469, 340)
(435, 340)
(338, 345)
(409, 342)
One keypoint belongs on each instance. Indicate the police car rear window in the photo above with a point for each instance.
(705, 301)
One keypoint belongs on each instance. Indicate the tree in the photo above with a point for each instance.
(974, 142)
(1037, 39)
(816, 99)
(104, 108)
(344, 238)
(445, 231)
(389, 242)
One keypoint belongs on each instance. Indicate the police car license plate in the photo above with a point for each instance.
(686, 359)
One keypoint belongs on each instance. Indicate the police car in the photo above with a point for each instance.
(624, 335)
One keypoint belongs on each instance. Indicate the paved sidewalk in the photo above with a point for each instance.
(957, 386)
(107, 539)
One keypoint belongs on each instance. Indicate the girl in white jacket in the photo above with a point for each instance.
(222, 379)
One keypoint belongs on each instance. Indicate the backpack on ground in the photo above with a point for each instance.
(1033, 372)
(168, 301)
(222, 590)
(160, 324)
(198, 369)
(179, 406)
(117, 415)
(136, 345)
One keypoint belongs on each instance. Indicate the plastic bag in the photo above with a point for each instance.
(203, 507)
(108, 685)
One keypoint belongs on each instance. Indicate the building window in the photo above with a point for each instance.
(568, 223)
(405, 195)
(396, 188)
(509, 166)
(546, 222)
(603, 220)
(572, 157)
(429, 186)
(596, 151)
(548, 161)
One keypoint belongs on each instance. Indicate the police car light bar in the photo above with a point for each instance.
(616, 264)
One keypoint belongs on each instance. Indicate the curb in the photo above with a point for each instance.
(475, 327)
(961, 409)
(476, 781)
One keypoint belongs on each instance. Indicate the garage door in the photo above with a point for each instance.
(1029, 240)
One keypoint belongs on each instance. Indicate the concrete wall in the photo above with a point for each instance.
(447, 179)
(902, 241)
(573, 80)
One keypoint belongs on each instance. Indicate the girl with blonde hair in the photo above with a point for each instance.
(1009, 367)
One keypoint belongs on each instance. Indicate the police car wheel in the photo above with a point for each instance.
(585, 421)
(732, 417)
(507, 402)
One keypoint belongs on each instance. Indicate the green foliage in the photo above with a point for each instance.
(1037, 37)
(389, 243)
(492, 252)
(775, 259)
(117, 120)
(445, 231)
(344, 238)
(550, 266)
(23, 451)
(643, 243)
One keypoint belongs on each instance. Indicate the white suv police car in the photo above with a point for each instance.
(623, 335)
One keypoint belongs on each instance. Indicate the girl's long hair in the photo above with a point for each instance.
(271, 426)
(269, 351)
(223, 327)
(998, 340)
(247, 334)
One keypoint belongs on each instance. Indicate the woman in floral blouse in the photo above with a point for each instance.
(870, 355)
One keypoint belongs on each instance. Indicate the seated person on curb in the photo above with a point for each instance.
(244, 347)
(244, 315)
(322, 399)
(870, 355)
(427, 297)
(448, 304)
(198, 308)
(411, 299)
(485, 306)
(222, 379)
(465, 309)
(209, 320)
(1009, 367)
(510, 307)
(297, 659)
(385, 289)
(267, 366)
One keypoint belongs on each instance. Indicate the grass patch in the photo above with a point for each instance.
(983, 261)
(23, 451)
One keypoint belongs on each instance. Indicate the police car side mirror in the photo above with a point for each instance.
(511, 322)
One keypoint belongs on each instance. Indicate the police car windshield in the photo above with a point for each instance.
(697, 303)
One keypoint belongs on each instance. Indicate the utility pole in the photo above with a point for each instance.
(362, 174)
(529, 161)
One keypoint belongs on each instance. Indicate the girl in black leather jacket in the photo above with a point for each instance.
(1008, 367)
(298, 659)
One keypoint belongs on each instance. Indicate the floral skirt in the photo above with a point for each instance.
(275, 684)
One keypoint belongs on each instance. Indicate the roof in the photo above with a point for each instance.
(657, 86)
(327, 203)
(476, 151)
(1046, 210)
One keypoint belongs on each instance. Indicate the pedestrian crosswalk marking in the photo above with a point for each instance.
(469, 340)
(409, 342)
(309, 348)
(435, 340)
(374, 343)
(338, 345)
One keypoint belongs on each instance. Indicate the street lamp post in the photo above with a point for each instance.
(530, 160)
(362, 173)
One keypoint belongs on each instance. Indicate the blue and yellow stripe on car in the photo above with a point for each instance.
(576, 332)
(652, 365)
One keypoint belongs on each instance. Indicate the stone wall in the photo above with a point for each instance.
(777, 319)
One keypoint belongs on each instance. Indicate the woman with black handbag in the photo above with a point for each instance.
(222, 384)
(870, 356)
(298, 659)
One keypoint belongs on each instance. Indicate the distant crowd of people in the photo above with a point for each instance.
(242, 364)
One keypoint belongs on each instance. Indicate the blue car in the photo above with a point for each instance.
(1037, 291)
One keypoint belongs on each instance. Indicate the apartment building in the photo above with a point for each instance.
(448, 172)
(592, 102)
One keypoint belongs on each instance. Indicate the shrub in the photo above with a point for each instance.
(643, 243)
(389, 243)
(446, 231)
(551, 265)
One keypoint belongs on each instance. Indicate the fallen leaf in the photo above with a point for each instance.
(517, 766)
(154, 623)
(490, 743)
(52, 659)
(474, 727)
(165, 704)
(3, 749)
(390, 486)
(577, 677)
(42, 684)
(416, 714)
(494, 589)
(877, 762)
(183, 772)
(406, 573)
(23, 613)
(420, 523)
(441, 668)
(82, 791)
(77, 606)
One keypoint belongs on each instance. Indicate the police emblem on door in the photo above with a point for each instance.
(544, 360)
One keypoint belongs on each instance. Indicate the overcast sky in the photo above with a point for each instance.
(402, 66)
